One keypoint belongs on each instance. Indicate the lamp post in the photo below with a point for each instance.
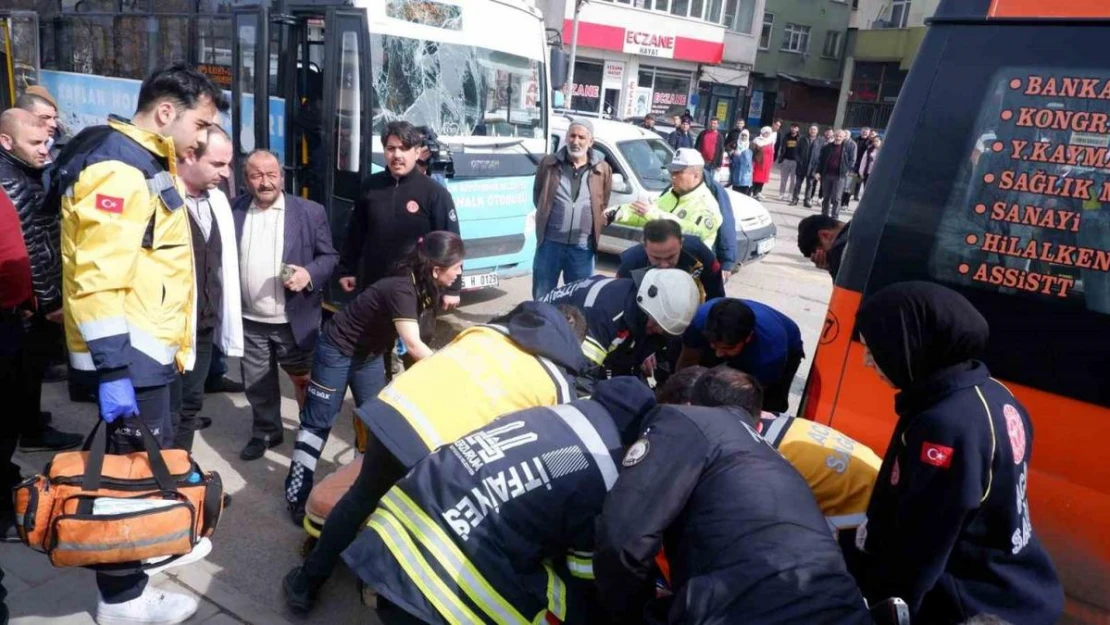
(573, 52)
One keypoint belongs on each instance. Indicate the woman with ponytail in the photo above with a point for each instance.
(352, 345)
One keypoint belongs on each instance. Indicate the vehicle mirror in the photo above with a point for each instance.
(559, 68)
(620, 185)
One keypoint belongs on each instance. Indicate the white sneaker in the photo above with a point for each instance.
(153, 607)
(200, 551)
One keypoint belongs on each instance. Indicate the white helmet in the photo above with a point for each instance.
(670, 297)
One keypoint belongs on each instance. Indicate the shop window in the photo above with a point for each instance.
(680, 7)
(586, 91)
(795, 38)
(670, 92)
(832, 45)
(768, 28)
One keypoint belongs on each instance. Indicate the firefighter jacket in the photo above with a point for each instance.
(614, 320)
(498, 527)
(127, 258)
(697, 211)
(523, 360)
(840, 471)
(745, 541)
(39, 224)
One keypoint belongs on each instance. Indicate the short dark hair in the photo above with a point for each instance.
(27, 102)
(214, 129)
(183, 85)
(659, 230)
(649, 116)
(808, 229)
(730, 321)
(409, 135)
(679, 388)
(724, 386)
(575, 318)
(794, 125)
(714, 119)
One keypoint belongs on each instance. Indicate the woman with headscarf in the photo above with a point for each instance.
(763, 159)
(740, 165)
(948, 528)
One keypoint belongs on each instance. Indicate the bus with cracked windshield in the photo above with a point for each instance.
(315, 81)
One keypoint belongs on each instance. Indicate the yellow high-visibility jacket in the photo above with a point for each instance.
(697, 211)
(127, 259)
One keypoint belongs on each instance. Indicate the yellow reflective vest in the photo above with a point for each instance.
(697, 211)
(127, 259)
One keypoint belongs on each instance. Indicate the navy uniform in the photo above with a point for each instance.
(495, 527)
(614, 320)
(744, 537)
(695, 259)
(948, 528)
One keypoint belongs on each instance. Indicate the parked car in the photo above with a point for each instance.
(639, 158)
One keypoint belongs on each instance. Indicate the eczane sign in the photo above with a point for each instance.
(649, 44)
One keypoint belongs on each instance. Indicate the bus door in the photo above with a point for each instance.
(19, 54)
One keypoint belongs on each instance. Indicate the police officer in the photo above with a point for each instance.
(665, 247)
(128, 280)
(513, 504)
(745, 541)
(525, 359)
(751, 337)
(622, 312)
(397, 206)
(949, 528)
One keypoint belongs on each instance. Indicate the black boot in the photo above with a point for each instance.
(49, 439)
(300, 590)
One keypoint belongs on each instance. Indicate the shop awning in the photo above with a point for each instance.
(725, 75)
(817, 83)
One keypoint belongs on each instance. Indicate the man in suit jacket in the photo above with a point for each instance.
(285, 261)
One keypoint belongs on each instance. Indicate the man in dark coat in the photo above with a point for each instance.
(808, 155)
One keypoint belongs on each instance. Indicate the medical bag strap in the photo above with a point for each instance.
(97, 446)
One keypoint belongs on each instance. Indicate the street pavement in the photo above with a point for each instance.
(256, 543)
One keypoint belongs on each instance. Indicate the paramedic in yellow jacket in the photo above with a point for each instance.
(689, 201)
(128, 280)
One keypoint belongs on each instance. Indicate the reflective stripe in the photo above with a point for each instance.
(305, 459)
(582, 568)
(454, 562)
(146, 343)
(773, 434)
(417, 418)
(994, 443)
(499, 328)
(159, 183)
(594, 351)
(102, 328)
(595, 290)
(556, 593)
(310, 439)
(591, 439)
(124, 544)
(562, 389)
(844, 521)
(82, 361)
(418, 569)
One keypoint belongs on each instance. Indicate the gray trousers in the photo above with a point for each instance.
(833, 188)
(788, 173)
(266, 347)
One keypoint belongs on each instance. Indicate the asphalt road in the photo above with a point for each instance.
(256, 543)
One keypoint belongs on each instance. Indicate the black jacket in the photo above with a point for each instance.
(808, 155)
(695, 259)
(390, 215)
(835, 255)
(743, 535)
(41, 228)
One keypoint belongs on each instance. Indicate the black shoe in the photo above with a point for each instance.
(256, 447)
(227, 501)
(56, 373)
(296, 510)
(8, 531)
(50, 440)
(300, 590)
(224, 385)
(203, 423)
(807, 204)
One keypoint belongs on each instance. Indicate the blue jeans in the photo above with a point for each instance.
(574, 262)
(332, 372)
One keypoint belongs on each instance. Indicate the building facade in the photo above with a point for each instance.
(798, 68)
(664, 57)
(883, 40)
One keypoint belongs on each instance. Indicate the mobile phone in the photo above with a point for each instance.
(287, 272)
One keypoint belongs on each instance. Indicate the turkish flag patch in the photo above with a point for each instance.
(937, 455)
(109, 204)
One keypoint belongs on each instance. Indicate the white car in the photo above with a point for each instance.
(639, 158)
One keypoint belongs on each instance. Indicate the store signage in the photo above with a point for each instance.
(649, 43)
(614, 74)
(586, 91)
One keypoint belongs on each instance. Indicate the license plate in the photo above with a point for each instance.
(765, 246)
(479, 281)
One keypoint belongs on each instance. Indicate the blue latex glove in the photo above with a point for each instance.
(117, 399)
